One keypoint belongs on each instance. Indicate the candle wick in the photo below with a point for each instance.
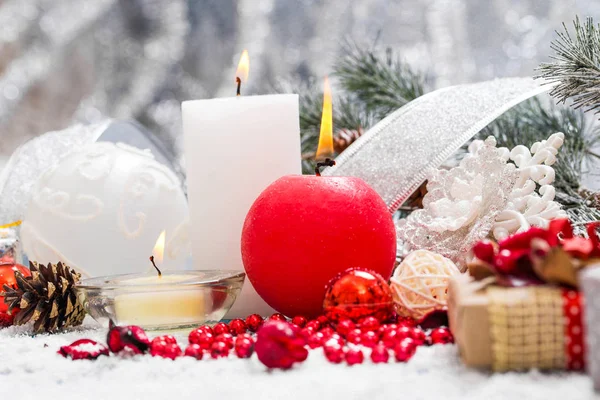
(239, 85)
(327, 163)
(152, 261)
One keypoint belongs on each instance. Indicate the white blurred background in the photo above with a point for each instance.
(64, 61)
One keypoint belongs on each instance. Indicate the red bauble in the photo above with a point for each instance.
(334, 353)
(303, 230)
(226, 338)
(344, 326)
(7, 277)
(219, 350)
(166, 347)
(441, 335)
(380, 354)
(194, 350)
(220, 327)
(299, 321)
(358, 294)
(354, 356)
(405, 350)
(280, 344)
(202, 338)
(253, 322)
(83, 349)
(244, 346)
(131, 339)
(237, 327)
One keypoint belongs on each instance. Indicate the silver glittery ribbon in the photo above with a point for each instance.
(396, 155)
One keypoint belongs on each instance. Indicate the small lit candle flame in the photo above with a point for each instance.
(241, 75)
(159, 248)
(325, 148)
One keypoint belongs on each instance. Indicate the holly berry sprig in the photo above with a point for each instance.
(278, 343)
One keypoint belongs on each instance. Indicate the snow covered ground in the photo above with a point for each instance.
(30, 368)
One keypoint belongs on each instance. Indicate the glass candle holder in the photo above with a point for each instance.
(174, 300)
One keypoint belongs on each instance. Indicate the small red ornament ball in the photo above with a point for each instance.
(404, 350)
(334, 353)
(380, 354)
(303, 230)
(253, 322)
(299, 321)
(354, 356)
(237, 327)
(219, 350)
(244, 346)
(280, 344)
(166, 347)
(194, 350)
(7, 277)
(359, 295)
(441, 335)
(220, 327)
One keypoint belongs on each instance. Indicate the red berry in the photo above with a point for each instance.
(205, 328)
(345, 326)
(168, 339)
(307, 333)
(390, 338)
(253, 322)
(354, 336)
(313, 324)
(369, 339)
(334, 340)
(441, 335)
(299, 321)
(380, 354)
(220, 328)
(387, 327)
(404, 332)
(323, 321)
(226, 338)
(418, 335)
(354, 356)
(244, 346)
(327, 331)
(277, 317)
(129, 338)
(316, 340)
(84, 349)
(237, 327)
(202, 338)
(369, 324)
(194, 350)
(279, 345)
(334, 353)
(219, 350)
(405, 350)
(163, 346)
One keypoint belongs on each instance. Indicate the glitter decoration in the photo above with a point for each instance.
(420, 283)
(397, 154)
(461, 204)
(527, 206)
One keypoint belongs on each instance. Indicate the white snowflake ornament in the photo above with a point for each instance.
(527, 206)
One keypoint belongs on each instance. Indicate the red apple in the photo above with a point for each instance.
(304, 230)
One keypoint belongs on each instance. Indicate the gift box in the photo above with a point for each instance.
(590, 284)
(516, 328)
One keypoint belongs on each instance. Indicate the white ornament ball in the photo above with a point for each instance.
(420, 283)
(102, 209)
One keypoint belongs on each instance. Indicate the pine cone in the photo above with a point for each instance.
(47, 297)
(343, 138)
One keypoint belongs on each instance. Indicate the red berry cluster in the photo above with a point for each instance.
(278, 343)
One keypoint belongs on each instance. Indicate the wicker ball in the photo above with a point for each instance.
(420, 283)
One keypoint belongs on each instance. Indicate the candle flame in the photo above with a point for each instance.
(243, 67)
(159, 247)
(325, 148)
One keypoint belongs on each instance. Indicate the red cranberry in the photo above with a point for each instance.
(244, 346)
(194, 350)
(163, 346)
(345, 326)
(313, 324)
(219, 350)
(334, 340)
(253, 322)
(130, 338)
(334, 354)
(237, 327)
(441, 335)
(354, 356)
(277, 317)
(220, 328)
(299, 321)
(380, 354)
(369, 324)
(84, 349)
(418, 336)
(405, 350)
(327, 331)
(279, 345)
(390, 338)
(202, 338)
(404, 332)
(226, 338)
(354, 336)
(316, 340)
(369, 339)
(306, 333)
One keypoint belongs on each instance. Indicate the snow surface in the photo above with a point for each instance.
(31, 369)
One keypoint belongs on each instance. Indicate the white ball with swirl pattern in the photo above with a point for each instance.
(102, 209)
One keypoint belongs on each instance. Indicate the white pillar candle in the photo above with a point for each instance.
(234, 148)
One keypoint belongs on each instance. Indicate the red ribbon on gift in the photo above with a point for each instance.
(574, 342)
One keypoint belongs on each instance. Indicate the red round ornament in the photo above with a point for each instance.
(441, 335)
(253, 322)
(166, 347)
(201, 338)
(299, 321)
(334, 353)
(219, 350)
(380, 354)
(7, 277)
(220, 327)
(194, 350)
(277, 317)
(404, 350)
(303, 230)
(237, 327)
(357, 293)
(226, 338)
(354, 356)
(354, 336)
(369, 339)
(244, 346)
(344, 326)
(280, 344)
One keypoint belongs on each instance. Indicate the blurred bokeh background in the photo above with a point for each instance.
(68, 61)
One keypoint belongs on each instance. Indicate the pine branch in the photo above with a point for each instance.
(576, 66)
(382, 84)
